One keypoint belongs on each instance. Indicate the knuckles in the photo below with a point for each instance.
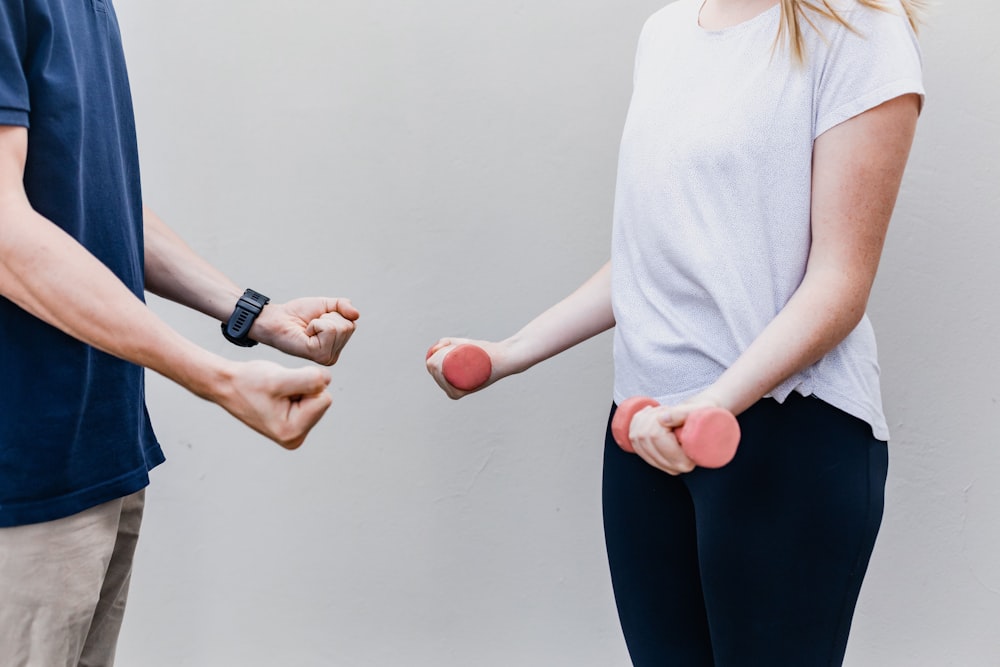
(290, 434)
(292, 444)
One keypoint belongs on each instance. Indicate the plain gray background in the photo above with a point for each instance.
(449, 165)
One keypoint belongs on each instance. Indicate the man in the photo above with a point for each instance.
(77, 250)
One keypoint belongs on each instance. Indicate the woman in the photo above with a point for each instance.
(760, 163)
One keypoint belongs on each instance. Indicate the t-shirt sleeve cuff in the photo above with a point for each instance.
(17, 117)
(869, 101)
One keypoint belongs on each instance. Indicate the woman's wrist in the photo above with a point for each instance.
(718, 396)
(515, 355)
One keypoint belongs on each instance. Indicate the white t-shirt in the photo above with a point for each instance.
(712, 208)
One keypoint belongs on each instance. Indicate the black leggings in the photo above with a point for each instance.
(758, 563)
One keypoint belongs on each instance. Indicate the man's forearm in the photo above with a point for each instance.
(49, 274)
(314, 328)
(176, 272)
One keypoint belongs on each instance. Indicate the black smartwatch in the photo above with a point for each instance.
(237, 329)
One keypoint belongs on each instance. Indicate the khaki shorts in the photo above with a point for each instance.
(63, 586)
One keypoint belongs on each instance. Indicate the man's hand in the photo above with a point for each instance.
(314, 328)
(280, 403)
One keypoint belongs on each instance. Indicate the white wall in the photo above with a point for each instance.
(449, 165)
(932, 596)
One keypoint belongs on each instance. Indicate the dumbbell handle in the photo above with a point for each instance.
(466, 367)
(709, 436)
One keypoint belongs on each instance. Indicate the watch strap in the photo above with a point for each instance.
(237, 329)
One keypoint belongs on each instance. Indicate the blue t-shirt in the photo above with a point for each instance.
(74, 431)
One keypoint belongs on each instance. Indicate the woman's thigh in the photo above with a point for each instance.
(785, 533)
(649, 528)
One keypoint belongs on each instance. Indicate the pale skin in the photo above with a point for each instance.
(857, 170)
(50, 275)
(722, 14)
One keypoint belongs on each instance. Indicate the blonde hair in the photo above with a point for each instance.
(793, 12)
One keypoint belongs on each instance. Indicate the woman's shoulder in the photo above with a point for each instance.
(869, 27)
(857, 15)
(676, 13)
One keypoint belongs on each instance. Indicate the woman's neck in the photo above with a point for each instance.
(722, 14)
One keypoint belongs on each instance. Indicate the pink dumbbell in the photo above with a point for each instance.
(709, 436)
(466, 367)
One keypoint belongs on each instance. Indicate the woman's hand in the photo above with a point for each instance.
(499, 359)
(583, 314)
(652, 434)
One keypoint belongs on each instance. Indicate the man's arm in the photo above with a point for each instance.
(49, 274)
(315, 328)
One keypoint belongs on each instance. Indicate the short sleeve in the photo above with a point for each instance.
(639, 49)
(14, 99)
(862, 68)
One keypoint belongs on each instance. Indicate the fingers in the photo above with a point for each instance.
(313, 328)
(328, 322)
(314, 307)
(281, 403)
(656, 443)
(676, 415)
(300, 401)
(435, 363)
(347, 309)
(303, 414)
(442, 344)
(303, 400)
(302, 382)
(327, 337)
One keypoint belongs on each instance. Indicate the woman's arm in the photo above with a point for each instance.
(583, 314)
(857, 170)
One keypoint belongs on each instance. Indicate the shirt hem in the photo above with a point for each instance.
(866, 413)
(39, 511)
